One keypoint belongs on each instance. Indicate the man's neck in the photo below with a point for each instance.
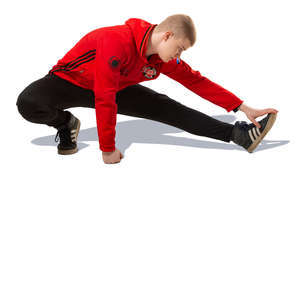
(150, 48)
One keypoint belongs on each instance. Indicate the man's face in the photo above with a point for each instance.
(170, 48)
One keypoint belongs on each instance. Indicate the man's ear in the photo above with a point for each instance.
(167, 35)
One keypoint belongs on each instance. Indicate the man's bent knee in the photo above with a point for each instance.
(28, 107)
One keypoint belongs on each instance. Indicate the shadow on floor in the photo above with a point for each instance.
(147, 131)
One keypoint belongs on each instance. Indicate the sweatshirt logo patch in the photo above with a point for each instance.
(114, 62)
(149, 72)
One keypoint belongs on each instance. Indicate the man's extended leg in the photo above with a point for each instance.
(143, 102)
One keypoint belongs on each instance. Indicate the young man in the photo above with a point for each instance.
(102, 71)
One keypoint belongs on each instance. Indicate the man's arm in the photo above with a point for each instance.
(109, 58)
(202, 86)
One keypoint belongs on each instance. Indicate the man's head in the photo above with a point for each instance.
(172, 36)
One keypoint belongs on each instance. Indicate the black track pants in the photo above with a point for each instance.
(44, 100)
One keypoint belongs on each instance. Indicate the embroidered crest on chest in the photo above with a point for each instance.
(149, 71)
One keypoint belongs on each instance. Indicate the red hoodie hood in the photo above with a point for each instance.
(141, 30)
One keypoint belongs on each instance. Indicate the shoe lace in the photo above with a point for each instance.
(243, 124)
(63, 134)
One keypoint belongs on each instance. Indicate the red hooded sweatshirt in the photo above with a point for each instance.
(108, 59)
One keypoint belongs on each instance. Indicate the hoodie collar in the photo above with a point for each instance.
(141, 30)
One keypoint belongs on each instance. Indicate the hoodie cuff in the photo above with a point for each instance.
(237, 108)
(107, 149)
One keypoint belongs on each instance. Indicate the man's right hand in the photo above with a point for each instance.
(253, 113)
(112, 157)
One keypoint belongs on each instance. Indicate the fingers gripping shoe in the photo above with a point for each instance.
(248, 135)
(68, 134)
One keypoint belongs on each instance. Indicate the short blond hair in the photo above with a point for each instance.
(181, 25)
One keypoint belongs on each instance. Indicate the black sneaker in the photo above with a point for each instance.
(248, 135)
(68, 136)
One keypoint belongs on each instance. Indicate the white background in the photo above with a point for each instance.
(182, 216)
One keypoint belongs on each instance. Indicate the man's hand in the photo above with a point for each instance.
(112, 157)
(253, 113)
